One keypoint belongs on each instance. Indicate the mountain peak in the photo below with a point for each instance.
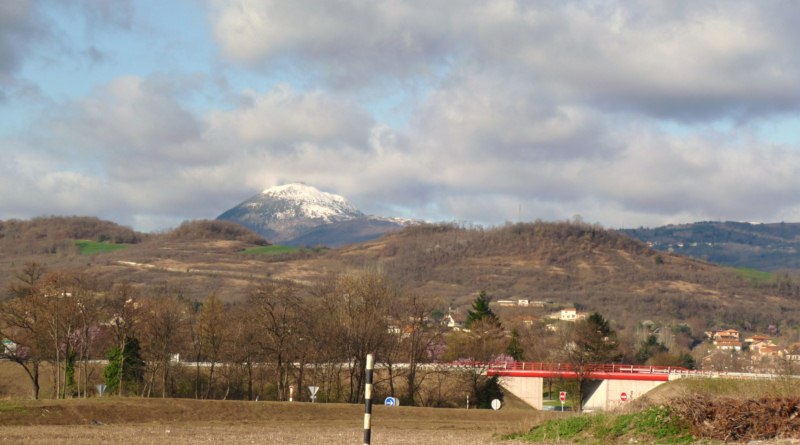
(300, 214)
(292, 187)
(304, 200)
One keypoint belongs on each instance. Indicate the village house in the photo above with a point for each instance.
(728, 345)
(568, 314)
(726, 335)
(766, 348)
(771, 351)
(571, 314)
(756, 339)
(725, 340)
(453, 321)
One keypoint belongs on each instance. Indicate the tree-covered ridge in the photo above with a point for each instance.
(576, 264)
(769, 247)
(56, 234)
(214, 230)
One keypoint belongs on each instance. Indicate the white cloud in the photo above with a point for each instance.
(283, 118)
(678, 60)
(509, 109)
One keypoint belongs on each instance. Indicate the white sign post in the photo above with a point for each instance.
(562, 396)
(313, 390)
(291, 392)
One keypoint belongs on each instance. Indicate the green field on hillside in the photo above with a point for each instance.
(86, 247)
(274, 249)
(757, 277)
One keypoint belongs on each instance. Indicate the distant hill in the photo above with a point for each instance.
(768, 247)
(213, 230)
(557, 264)
(56, 234)
(576, 264)
(301, 215)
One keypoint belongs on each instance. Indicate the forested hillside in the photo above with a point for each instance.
(577, 264)
(180, 280)
(768, 247)
(48, 235)
(561, 264)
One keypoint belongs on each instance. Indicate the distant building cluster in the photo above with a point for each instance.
(760, 349)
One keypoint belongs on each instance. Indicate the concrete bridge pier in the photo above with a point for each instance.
(602, 395)
(610, 385)
(528, 389)
(609, 393)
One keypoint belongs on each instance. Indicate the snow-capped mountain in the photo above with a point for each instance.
(299, 214)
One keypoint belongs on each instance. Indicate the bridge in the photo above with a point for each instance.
(611, 383)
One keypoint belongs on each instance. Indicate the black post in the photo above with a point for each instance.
(368, 402)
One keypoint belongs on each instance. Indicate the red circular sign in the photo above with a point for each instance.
(562, 396)
(623, 397)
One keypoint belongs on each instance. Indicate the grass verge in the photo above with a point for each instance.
(652, 425)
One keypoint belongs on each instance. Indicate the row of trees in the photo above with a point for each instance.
(326, 330)
(289, 334)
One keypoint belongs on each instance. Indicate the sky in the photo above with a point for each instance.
(625, 114)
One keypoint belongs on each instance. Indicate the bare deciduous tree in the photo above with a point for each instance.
(360, 302)
(212, 320)
(276, 307)
(163, 331)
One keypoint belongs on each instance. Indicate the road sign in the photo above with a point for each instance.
(623, 397)
(313, 390)
(562, 396)
(391, 401)
(496, 404)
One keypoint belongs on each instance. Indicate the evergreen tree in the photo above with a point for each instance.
(481, 311)
(514, 348)
(129, 360)
(649, 348)
(488, 391)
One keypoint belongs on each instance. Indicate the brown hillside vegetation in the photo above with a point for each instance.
(212, 230)
(49, 235)
(568, 264)
(562, 263)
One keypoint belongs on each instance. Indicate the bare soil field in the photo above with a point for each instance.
(178, 421)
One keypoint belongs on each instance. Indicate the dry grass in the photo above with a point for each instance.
(151, 421)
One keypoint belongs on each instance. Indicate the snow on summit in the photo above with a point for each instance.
(299, 214)
(311, 202)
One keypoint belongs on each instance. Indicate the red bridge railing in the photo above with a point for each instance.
(598, 371)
